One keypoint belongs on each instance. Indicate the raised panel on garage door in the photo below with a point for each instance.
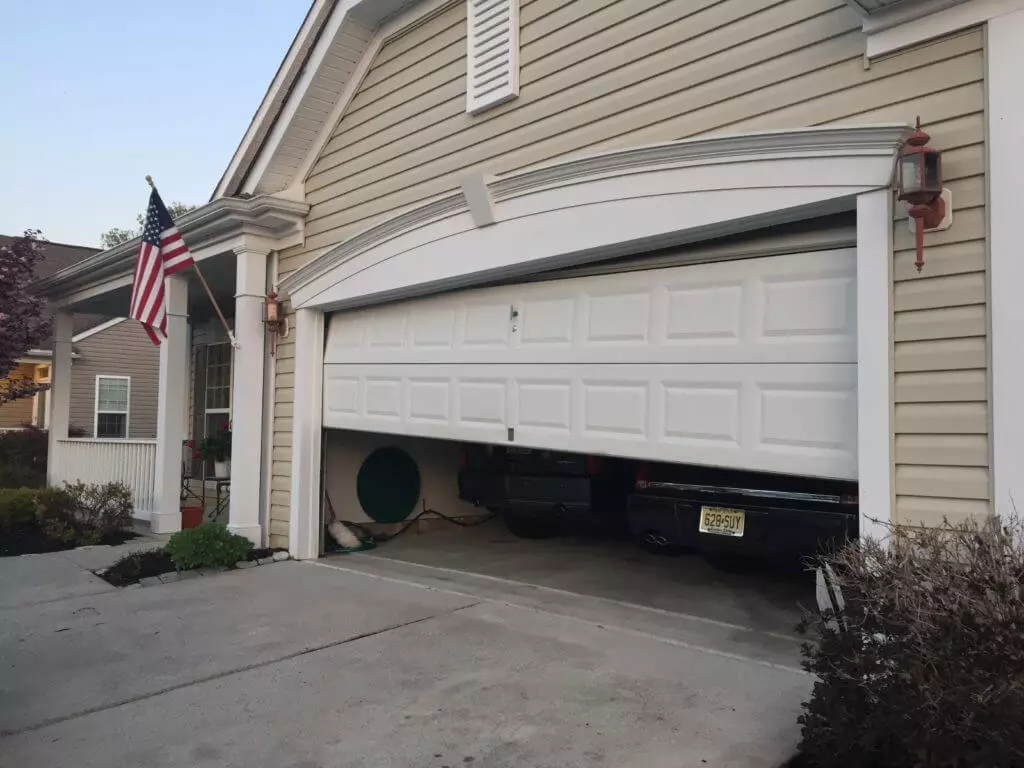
(786, 309)
(748, 364)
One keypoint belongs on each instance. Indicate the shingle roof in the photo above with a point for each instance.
(56, 257)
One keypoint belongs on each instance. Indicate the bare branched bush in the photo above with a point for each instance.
(924, 663)
(83, 513)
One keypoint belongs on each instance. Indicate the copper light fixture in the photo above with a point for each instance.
(920, 184)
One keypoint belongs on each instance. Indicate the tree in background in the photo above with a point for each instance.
(116, 235)
(23, 324)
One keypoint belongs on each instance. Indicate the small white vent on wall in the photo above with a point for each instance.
(492, 53)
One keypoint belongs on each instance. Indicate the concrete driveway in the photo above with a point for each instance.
(365, 661)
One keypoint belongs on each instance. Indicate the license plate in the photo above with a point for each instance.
(722, 521)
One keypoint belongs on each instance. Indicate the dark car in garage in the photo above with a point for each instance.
(729, 514)
(539, 492)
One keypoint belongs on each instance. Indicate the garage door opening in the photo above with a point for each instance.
(551, 527)
(382, 485)
(697, 399)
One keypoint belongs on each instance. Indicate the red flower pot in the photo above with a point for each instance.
(191, 517)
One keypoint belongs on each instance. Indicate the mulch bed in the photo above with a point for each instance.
(138, 565)
(155, 562)
(29, 540)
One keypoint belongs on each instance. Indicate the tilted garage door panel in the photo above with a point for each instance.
(798, 308)
(746, 363)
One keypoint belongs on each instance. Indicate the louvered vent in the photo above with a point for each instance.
(492, 50)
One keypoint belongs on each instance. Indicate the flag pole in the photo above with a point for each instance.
(206, 287)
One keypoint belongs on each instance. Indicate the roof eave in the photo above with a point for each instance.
(271, 105)
(269, 216)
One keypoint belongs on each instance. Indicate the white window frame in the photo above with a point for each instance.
(207, 412)
(231, 380)
(96, 407)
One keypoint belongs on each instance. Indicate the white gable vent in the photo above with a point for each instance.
(492, 53)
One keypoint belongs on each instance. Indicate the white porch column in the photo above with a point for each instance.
(59, 400)
(307, 430)
(171, 409)
(247, 402)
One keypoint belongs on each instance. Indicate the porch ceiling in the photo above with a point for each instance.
(219, 271)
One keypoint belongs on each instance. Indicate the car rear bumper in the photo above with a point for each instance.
(770, 532)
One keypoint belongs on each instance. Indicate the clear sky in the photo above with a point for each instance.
(95, 94)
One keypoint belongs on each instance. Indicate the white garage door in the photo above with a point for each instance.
(747, 364)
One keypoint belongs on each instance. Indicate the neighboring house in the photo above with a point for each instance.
(114, 371)
(644, 228)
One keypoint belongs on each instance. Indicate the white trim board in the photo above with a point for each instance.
(358, 26)
(874, 363)
(415, 14)
(97, 329)
(600, 207)
(910, 24)
(285, 74)
(1005, 174)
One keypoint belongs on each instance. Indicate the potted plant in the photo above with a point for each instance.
(216, 447)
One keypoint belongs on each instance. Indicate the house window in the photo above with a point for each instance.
(113, 395)
(218, 378)
(217, 394)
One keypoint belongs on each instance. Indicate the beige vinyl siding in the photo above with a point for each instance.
(608, 74)
(122, 350)
(18, 413)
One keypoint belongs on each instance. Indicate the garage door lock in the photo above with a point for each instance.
(511, 434)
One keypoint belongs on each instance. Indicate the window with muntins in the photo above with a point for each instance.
(113, 395)
(218, 377)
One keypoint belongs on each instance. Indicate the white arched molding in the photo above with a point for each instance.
(604, 206)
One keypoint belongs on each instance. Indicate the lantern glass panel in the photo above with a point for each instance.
(910, 173)
(932, 172)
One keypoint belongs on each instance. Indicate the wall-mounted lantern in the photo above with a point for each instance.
(920, 184)
(276, 320)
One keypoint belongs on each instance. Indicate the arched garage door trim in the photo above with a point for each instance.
(604, 206)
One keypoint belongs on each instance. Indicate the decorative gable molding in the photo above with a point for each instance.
(492, 53)
(602, 206)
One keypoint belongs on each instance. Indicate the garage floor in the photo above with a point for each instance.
(765, 604)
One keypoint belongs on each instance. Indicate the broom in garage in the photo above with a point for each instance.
(338, 531)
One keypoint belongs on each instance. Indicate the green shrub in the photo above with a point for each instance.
(210, 545)
(23, 458)
(923, 663)
(83, 513)
(17, 508)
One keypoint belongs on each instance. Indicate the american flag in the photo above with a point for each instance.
(162, 252)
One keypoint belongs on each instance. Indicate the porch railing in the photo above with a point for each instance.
(132, 462)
